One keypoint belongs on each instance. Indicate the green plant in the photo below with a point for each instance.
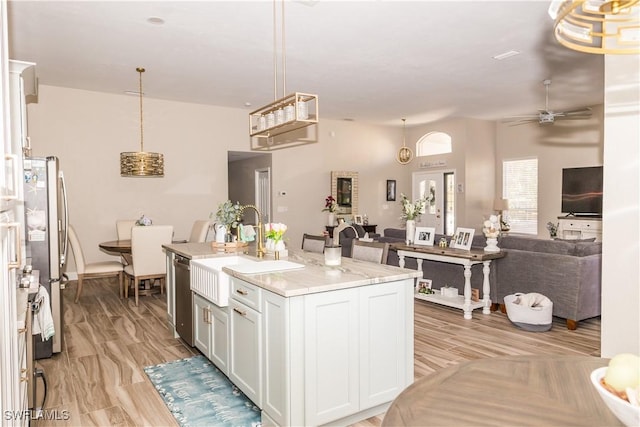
(411, 211)
(229, 214)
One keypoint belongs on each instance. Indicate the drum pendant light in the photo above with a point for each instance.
(141, 163)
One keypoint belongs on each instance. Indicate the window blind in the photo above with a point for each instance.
(520, 187)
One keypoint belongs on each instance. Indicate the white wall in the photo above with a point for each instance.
(88, 130)
(621, 220)
(572, 143)
(472, 160)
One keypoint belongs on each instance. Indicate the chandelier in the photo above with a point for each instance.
(141, 163)
(405, 155)
(286, 114)
(597, 26)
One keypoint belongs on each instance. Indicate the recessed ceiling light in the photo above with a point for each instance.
(155, 20)
(247, 104)
(506, 55)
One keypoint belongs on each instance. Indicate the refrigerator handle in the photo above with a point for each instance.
(65, 228)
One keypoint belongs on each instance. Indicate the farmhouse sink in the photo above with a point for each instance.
(208, 279)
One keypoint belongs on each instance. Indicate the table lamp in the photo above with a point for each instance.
(501, 205)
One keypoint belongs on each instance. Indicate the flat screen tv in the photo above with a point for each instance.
(582, 191)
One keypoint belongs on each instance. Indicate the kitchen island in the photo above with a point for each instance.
(313, 345)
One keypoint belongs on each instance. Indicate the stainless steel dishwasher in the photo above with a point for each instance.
(184, 299)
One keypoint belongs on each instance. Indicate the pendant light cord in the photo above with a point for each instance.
(275, 51)
(404, 127)
(140, 70)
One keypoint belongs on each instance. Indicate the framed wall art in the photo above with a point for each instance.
(391, 190)
(463, 238)
(424, 236)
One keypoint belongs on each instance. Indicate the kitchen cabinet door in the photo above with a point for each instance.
(202, 325)
(219, 348)
(386, 332)
(245, 367)
(331, 356)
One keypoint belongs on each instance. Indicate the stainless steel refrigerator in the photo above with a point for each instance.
(46, 219)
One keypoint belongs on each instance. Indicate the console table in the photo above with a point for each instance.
(454, 256)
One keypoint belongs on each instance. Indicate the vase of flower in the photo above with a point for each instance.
(331, 218)
(279, 246)
(491, 230)
(330, 206)
(221, 232)
(411, 231)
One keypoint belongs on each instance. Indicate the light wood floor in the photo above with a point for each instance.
(98, 379)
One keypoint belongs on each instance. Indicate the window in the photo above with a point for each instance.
(433, 143)
(520, 187)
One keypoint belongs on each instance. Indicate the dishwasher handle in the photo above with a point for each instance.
(182, 263)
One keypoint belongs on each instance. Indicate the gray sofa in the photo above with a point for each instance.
(568, 272)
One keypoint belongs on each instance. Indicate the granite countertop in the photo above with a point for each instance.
(317, 277)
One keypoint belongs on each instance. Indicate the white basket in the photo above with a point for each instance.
(536, 319)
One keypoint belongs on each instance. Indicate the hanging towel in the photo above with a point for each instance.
(248, 233)
(43, 321)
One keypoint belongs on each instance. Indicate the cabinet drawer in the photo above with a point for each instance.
(246, 293)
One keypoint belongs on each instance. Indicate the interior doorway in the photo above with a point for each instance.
(249, 181)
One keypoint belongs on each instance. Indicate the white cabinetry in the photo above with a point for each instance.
(245, 365)
(332, 357)
(580, 228)
(210, 331)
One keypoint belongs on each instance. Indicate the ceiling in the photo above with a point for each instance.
(370, 61)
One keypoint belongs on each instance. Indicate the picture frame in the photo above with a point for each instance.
(358, 219)
(423, 286)
(391, 190)
(463, 238)
(424, 236)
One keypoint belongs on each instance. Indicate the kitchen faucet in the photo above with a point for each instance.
(260, 249)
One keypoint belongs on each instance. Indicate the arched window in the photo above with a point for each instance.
(433, 143)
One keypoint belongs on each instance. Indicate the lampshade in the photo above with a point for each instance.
(501, 205)
(597, 26)
(141, 163)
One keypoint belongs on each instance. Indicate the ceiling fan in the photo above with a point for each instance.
(547, 116)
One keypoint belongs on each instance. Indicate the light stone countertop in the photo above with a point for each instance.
(313, 278)
(202, 250)
(317, 277)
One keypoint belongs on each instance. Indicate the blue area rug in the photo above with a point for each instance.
(198, 394)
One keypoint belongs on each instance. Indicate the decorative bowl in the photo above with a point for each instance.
(628, 414)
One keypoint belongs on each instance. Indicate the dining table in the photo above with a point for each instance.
(123, 246)
(531, 390)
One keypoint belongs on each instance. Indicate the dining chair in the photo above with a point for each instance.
(313, 243)
(370, 251)
(92, 270)
(149, 260)
(123, 230)
(199, 231)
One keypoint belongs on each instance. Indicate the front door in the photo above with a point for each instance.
(431, 185)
